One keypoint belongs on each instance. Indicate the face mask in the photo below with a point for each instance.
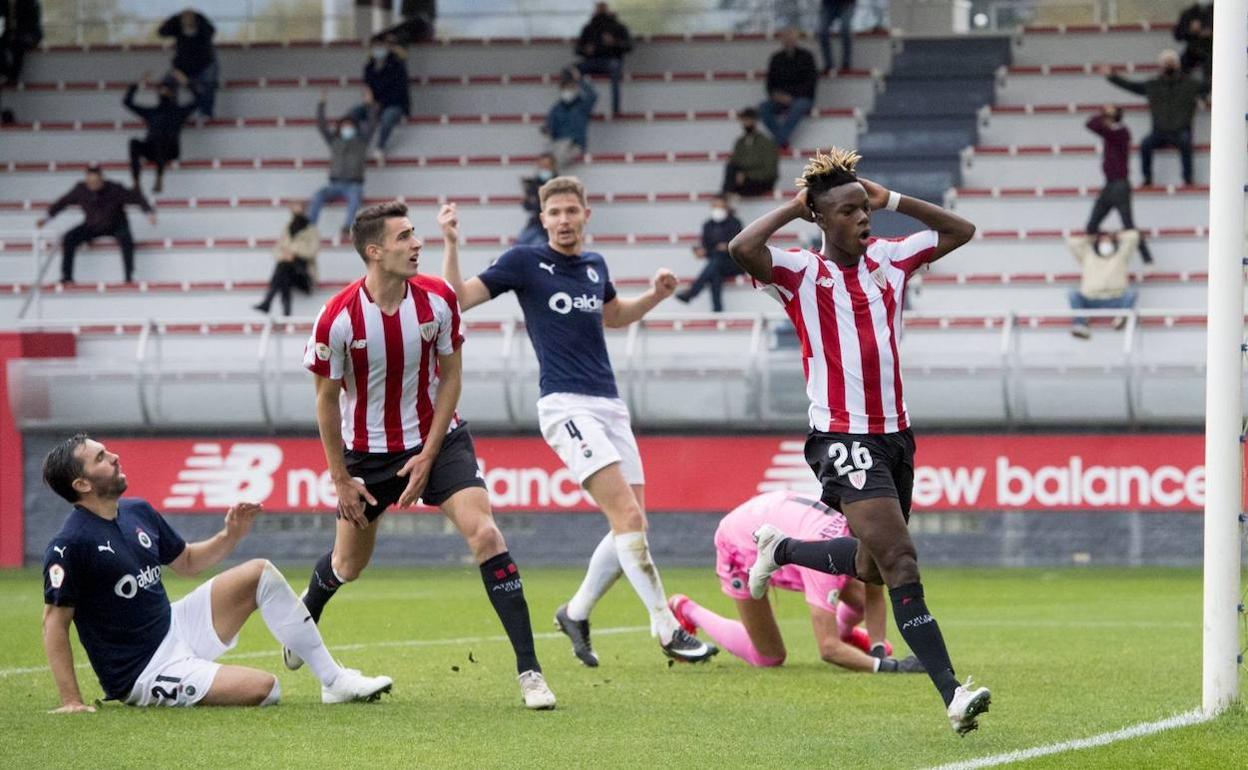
(567, 95)
(347, 132)
(718, 214)
(545, 175)
(748, 129)
(379, 52)
(1105, 248)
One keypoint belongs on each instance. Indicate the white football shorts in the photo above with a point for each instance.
(589, 433)
(182, 670)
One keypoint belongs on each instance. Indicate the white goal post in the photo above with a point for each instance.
(1224, 389)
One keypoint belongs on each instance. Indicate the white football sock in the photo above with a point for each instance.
(275, 695)
(289, 622)
(604, 570)
(634, 554)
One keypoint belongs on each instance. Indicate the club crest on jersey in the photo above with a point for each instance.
(878, 276)
(592, 273)
(144, 539)
(857, 478)
(428, 330)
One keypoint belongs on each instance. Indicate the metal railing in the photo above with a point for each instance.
(740, 371)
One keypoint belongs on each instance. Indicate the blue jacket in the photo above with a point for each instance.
(571, 121)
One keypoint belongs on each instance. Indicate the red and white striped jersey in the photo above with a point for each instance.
(847, 321)
(387, 363)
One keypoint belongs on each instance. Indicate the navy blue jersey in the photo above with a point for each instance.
(562, 299)
(109, 572)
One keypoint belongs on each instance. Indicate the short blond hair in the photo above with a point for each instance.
(832, 165)
(561, 185)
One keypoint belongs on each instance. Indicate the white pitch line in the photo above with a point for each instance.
(1185, 719)
(370, 645)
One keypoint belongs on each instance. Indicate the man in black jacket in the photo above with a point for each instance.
(195, 56)
(1172, 99)
(791, 79)
(103, 204)
(602, 45)
(717, 231)
(385, 77)
(21, 30)
(164, 130)
(1195, 27)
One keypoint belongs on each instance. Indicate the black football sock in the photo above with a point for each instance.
(321, 586)
(835, 557)
(921, 632)
(506, 592)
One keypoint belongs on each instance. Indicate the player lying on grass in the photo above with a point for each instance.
(103, 573)
(836, 602)
(845, 303)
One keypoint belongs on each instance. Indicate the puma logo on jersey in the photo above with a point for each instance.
(547, 266)
(108, 546)
(60, 550)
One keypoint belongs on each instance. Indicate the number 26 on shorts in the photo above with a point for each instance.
(848, 459)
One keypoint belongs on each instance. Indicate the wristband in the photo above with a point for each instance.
(894, 200)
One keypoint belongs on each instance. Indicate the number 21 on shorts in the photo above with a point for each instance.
(853, 462)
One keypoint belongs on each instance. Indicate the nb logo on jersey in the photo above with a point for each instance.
(547, 266)
(563, 303)
(359, 344)
(826, 282)
(245, 473)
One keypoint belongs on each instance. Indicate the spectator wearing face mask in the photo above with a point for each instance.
(567, 122)
(1172, 99)
(1104, 258)
(717, 231)
(534, 233)
(195, 56)
(295, 257)
(386, 81)
(162, 143)
(348, 157)
(755, 162)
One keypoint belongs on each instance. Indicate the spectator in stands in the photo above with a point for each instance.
(602, 45)
(1195, 27)
(567, 122)
(534, 234)
(1104, 258)
(21, 30)
(348, 156)
(164, 129)
(295, 255)
(385, 78)
(1116, 193)
(103, 204)
(841, 12)
(717, 231)
(791, 79)
(755, 162)
(194, 56)
(1172, 99)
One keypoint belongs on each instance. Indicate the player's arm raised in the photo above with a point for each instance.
(622, 311)
(749, 248)
(954, 231)
(471, 292)
(61, 658)
(450, 385)
(197, 557)
(351, 491)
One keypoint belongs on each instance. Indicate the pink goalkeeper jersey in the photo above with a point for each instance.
(797, 516)
(848, 321)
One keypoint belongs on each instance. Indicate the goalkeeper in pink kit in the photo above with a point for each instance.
(837, 603)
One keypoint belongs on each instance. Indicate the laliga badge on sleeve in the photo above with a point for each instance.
(56, 575)
(322, 351)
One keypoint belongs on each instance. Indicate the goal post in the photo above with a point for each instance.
(1224, 389)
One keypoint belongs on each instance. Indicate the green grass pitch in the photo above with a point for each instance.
(1068, 654)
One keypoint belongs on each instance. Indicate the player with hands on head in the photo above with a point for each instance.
(103, 573)
(567, 298)
(845, 303)
(385, 352)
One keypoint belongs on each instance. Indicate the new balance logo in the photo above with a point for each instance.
(826, 282)
(220, 480)
(108, 546)
(547, 266)
(789, 472)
